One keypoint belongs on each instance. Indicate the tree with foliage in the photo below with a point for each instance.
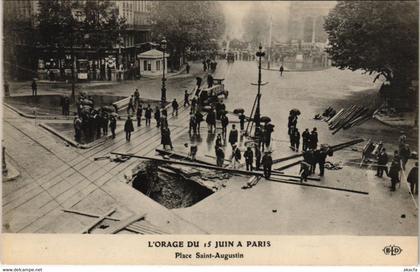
(377, 37)
(66, 23)
(196, 25)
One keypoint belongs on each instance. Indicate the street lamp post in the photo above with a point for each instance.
(257, 116)
(163, 90)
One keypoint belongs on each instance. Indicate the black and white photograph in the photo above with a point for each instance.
(274, 118)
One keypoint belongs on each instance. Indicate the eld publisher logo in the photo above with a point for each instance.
(392, 250)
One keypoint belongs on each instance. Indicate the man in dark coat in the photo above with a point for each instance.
(34, 88)
(321, 155)
(257, 157)
(186, 98)
(313, 139)
(136, 98)
(166, 138)
(225, 122)
(148, 115)
(220, 156)
(157, 116)
(382, 163)
(267, 162)
(404, 154)
(193, 104)
(394, 170)
(281, 70)
(105, 121)
(198, 119)
(130, 106)
(305, 139)
(309, 157)
(269, 128)
(211, 120)
(112, 125)
(139, 115)
(128, 128)
(249, 158)
(175, 107)
(242, 121)
(413, 179)
(77, 129)
(233, 136)
(187, 68)
(236, 156)
(193, 124)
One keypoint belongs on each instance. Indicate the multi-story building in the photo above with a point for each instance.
(25, 57)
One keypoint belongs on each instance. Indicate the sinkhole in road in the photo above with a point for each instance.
(168, 189)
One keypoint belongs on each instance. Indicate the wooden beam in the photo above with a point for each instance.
(334, 147)
(318, 186)
(124, 223)
(90, 214)
(99, 220)
(236, 171)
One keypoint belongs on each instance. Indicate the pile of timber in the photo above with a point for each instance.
(348, 117)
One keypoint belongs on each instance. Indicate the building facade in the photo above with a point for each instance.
(25, 58)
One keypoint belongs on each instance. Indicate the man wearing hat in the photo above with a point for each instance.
(233, 135)
(267, 162)
(413, 179)
(236, 156)
(249, 157)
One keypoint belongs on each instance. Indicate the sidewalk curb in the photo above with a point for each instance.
(40, 117)
(73, 142)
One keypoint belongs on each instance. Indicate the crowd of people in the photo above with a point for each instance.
(90, 123)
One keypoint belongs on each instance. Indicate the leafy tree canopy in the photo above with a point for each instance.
(92, 23)
(375, 36)
(185, 24)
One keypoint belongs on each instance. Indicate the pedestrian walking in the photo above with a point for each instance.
(309, 157)
(166, 138)
(257, 157)
(193, 124)
(296, 140)
(198, 119)
(304, 171)
(105, 122)
(313, 139)
(233, 136)
(157, 116)
(382, 163)
(77, 128)
(218, 142)
(175, 107)
(186, 98)
(34, 87)
(281, 70)
(128, 128)
(130, 106)
(187, 68)
(225, 122)
(305, 139)
(139, 115)
(204, 65)
(148, 115)
(136, 98)
(242, 121)
(267, 162)
(236, 156)
(321, 156)
(394, 171)
(211, 120)
(220, 156)
(249, 158)
(113, 125)
(404, 154)
(268, 130)
(193, 104)
(413, 179)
